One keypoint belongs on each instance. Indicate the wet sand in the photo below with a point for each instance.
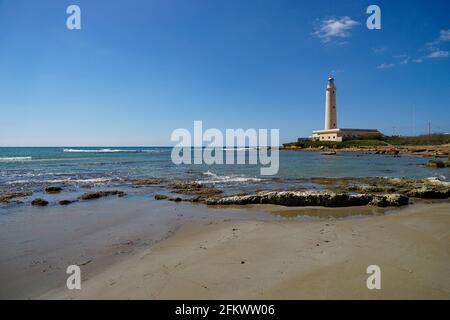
(287, 259)
(38, 244)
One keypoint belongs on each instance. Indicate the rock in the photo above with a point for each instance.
(329, 153)
(435, 182)
(99, 194)
(66, 202)
(39, 202)
(177, 199)
(196, 199)
(147, 181)
(389, 200)
(160, 197)
(6, 197)
(370, 189)
(53, 190)
(436, 164)
(447, 163)
(194, 188)
(429, 192)
(310, 198)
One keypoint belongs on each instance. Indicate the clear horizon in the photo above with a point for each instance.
(137, 70)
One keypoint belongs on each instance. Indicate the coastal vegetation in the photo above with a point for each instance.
(335, 145)
(421, 140)
(367, 141)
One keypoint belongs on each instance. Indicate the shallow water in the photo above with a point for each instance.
(31, 168)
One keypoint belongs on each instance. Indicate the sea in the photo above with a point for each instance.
(32, 168)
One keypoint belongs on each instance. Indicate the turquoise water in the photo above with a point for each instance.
(30, 168)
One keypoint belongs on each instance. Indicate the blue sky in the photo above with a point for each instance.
(139, 69)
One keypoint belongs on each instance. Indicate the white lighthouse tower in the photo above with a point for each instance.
(330, 105)
(331, 132)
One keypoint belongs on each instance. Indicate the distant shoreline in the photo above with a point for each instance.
(440, 151)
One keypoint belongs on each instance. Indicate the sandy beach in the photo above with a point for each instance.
(287, 259)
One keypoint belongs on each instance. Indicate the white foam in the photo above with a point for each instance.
(437, 181)
(215, 178)
(107, 150)
(14, 159)
(97, 150)
(239, 149)
(68, 180)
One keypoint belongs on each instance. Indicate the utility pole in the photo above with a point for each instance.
(429, 128)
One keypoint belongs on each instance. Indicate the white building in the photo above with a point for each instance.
(331, 132)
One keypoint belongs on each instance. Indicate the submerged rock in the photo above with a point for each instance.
(311, 198)
(369, 189)
(6, 197)
(66, 202)
(194, 188)
(436, 164)
(53, 190)
(39, 202)
(160, 197)
(99, 194)
(147, 181)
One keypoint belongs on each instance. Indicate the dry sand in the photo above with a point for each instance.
(324, 259)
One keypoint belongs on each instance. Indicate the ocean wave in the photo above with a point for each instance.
(239, 148)
(107, 150)
(97, 150)
(14, 159)
(68, 180)
(215, 178)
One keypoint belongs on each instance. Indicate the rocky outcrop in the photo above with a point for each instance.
(6, 197)
(53, 190)
(99, 194)
(194, 188)
(429, 192)
(427, 188)
(436, 164)
(370, 189)
(308, 198)
(147, 181)
(39, 202)
(66, 202)
(389, 200)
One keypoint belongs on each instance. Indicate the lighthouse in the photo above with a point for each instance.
(331, 132)
(330, 105)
